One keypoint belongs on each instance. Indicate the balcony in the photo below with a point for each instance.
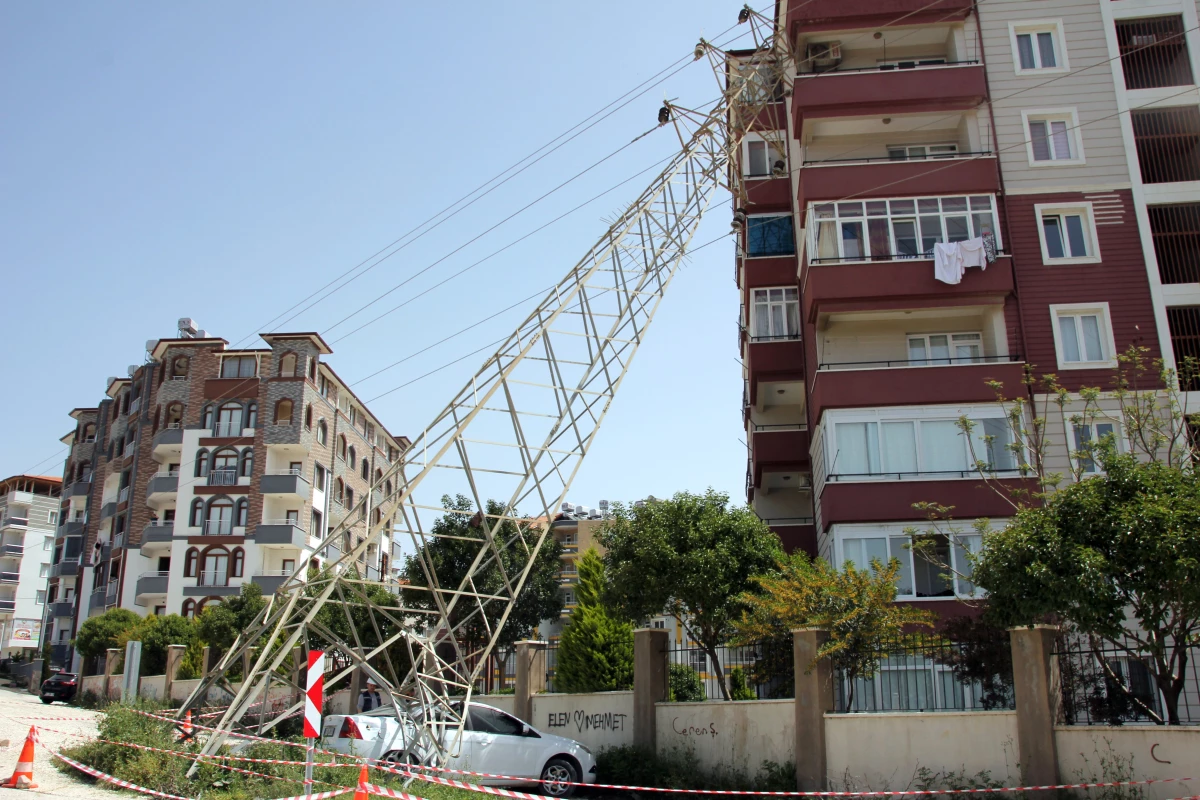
(795, 533)
(72, 528)
(80, 488)
(8, 606)
(225, 430)
(168, 441)
(60, 656)
(270, 581)
(68, 567)
(812, 15)
(879, 285)
(280, 533)
(10, 577)
(223, 477)
(781, 360)
(14, 522)
(1154, 52)
(1175, 230)
(151, 583)
(879, 92)
(1168, 143)
(287, 483)
(63, 608)
(218, 527)
(884, 500)
(12, 550)
(108, 509)
(156, 536)
(96, 602)
(899, 383)
(211, 583)
(832, 179)
(778, 448)
(162, 487)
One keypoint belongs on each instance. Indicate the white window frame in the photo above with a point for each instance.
(1068, 115)
(40, 597)
(785, 336)
(812, 227)
(897, 530)
(1052, 26)
(772, 215)
(1073, 446)
(918, 414)
(1106, 335)
(1089, 230)
(928, 156)
(952, 359)
(777, 139)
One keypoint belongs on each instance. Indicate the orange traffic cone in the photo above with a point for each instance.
(363, 779)
(22, 777)
(185, 730)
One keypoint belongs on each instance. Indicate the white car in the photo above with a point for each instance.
(493, 741)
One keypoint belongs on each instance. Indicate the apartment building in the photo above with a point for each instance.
(207, 467)
(28, 519)
(1015, 127)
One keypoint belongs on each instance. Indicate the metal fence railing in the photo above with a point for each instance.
(930, 673)
(500, 674)
(551, 665)
(761, 671)
(1107, 682)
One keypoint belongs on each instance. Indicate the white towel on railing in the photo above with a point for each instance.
(974, 254)
(947, 263)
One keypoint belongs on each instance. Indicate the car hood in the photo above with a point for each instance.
(561, 742)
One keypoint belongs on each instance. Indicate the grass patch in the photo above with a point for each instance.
(679, 768)
(168, 773)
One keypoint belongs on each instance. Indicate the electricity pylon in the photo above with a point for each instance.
(517, 432)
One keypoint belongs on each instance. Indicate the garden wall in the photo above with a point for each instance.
(1156, 751)
(884, 751)
(599, 720)
(735, 735)
(504, 702)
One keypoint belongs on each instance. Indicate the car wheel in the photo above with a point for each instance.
(559, 777)
(47, 700)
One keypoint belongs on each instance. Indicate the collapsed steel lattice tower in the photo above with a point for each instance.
(517, 433)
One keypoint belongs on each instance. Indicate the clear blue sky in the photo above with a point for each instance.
(223, 160)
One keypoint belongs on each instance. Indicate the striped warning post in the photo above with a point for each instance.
(313, 694)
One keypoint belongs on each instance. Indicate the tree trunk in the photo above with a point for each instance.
(722, 680)
(1170, 683)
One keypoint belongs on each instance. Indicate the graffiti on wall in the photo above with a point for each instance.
(709, 730)
(582, 721)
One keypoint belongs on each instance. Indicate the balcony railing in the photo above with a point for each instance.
(226, 429)
(893, 160)
(933, 475)
(288, 471)
(222, 477)
(295, 523)
(128, 450)
(123, 495)
(917, 362)
(1153, 52)
(12, 549)
(1168, 143)
(135, 406)
(795, 426)
(1184, 325)
(213, 578)
(926, 256)
(8, 606)
(780, 521)
(1176, 234)
(14, 521)
(910, 65)
(10, 577)
(218, 527)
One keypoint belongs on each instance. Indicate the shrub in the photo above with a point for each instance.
(685, 685)
(738, 690)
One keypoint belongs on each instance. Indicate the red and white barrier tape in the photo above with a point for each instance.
(386, 792)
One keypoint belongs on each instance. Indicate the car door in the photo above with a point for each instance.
(499, 746)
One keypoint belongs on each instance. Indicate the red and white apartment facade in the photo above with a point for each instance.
(911, 123)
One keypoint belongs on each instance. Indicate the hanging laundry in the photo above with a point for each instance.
(947, 262)
(989, 246)
(973, 253)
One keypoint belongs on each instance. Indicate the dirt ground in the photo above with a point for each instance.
(18, 710)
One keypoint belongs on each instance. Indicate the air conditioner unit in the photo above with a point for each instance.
(566, 508)
(824, 55)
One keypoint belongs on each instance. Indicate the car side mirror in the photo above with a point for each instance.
(527, 731)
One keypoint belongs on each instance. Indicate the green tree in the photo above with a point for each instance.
(684, 685)
(364, 629)
(98, 634)
(857, 607)
(595, 651)
(451, 551)
(219, 625)
(1122, 546)
(155, 632)
(690, 557)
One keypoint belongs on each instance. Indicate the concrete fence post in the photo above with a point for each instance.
(651, 682)
(110, 667)
(1038, 694)
(531, 678)
(35, 676)
(132, 670)
(814, 699)
(175, 653)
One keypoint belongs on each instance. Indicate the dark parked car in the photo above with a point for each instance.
(59, 686)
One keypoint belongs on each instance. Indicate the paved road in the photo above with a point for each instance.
(16, 709)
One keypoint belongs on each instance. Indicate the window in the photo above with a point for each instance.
(239, 563)
(219, 519)
(365, 470)
(283, 412)
(893, 447)
(48, 543)
(216, 568)
(886, 230)
(322, 432)
(308, 417)
(1053, 137)
(319, 478)
(762, 82)
(44, 571)
(775, 314)
(289, 565)
(229, 420)
(52, 517)
(247, 468)
(189, 562)
(1037, 47)
(945, 348)
(242, 512)
(770, 236)
(40, 597)
(174, 416)
(919, 152)
(349, 503)
(1154, 52)
(239, 367)
(764, 158)
(1082, 336)
(201, 463)
(287, 366)
(179, 368)
(316, 525)
(224, 468)
(353, 459)
(339, 490)
(943, 570)
(1086, 438)
(341, 449)
(1068, 234)
(197, 518)
(252, 415)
